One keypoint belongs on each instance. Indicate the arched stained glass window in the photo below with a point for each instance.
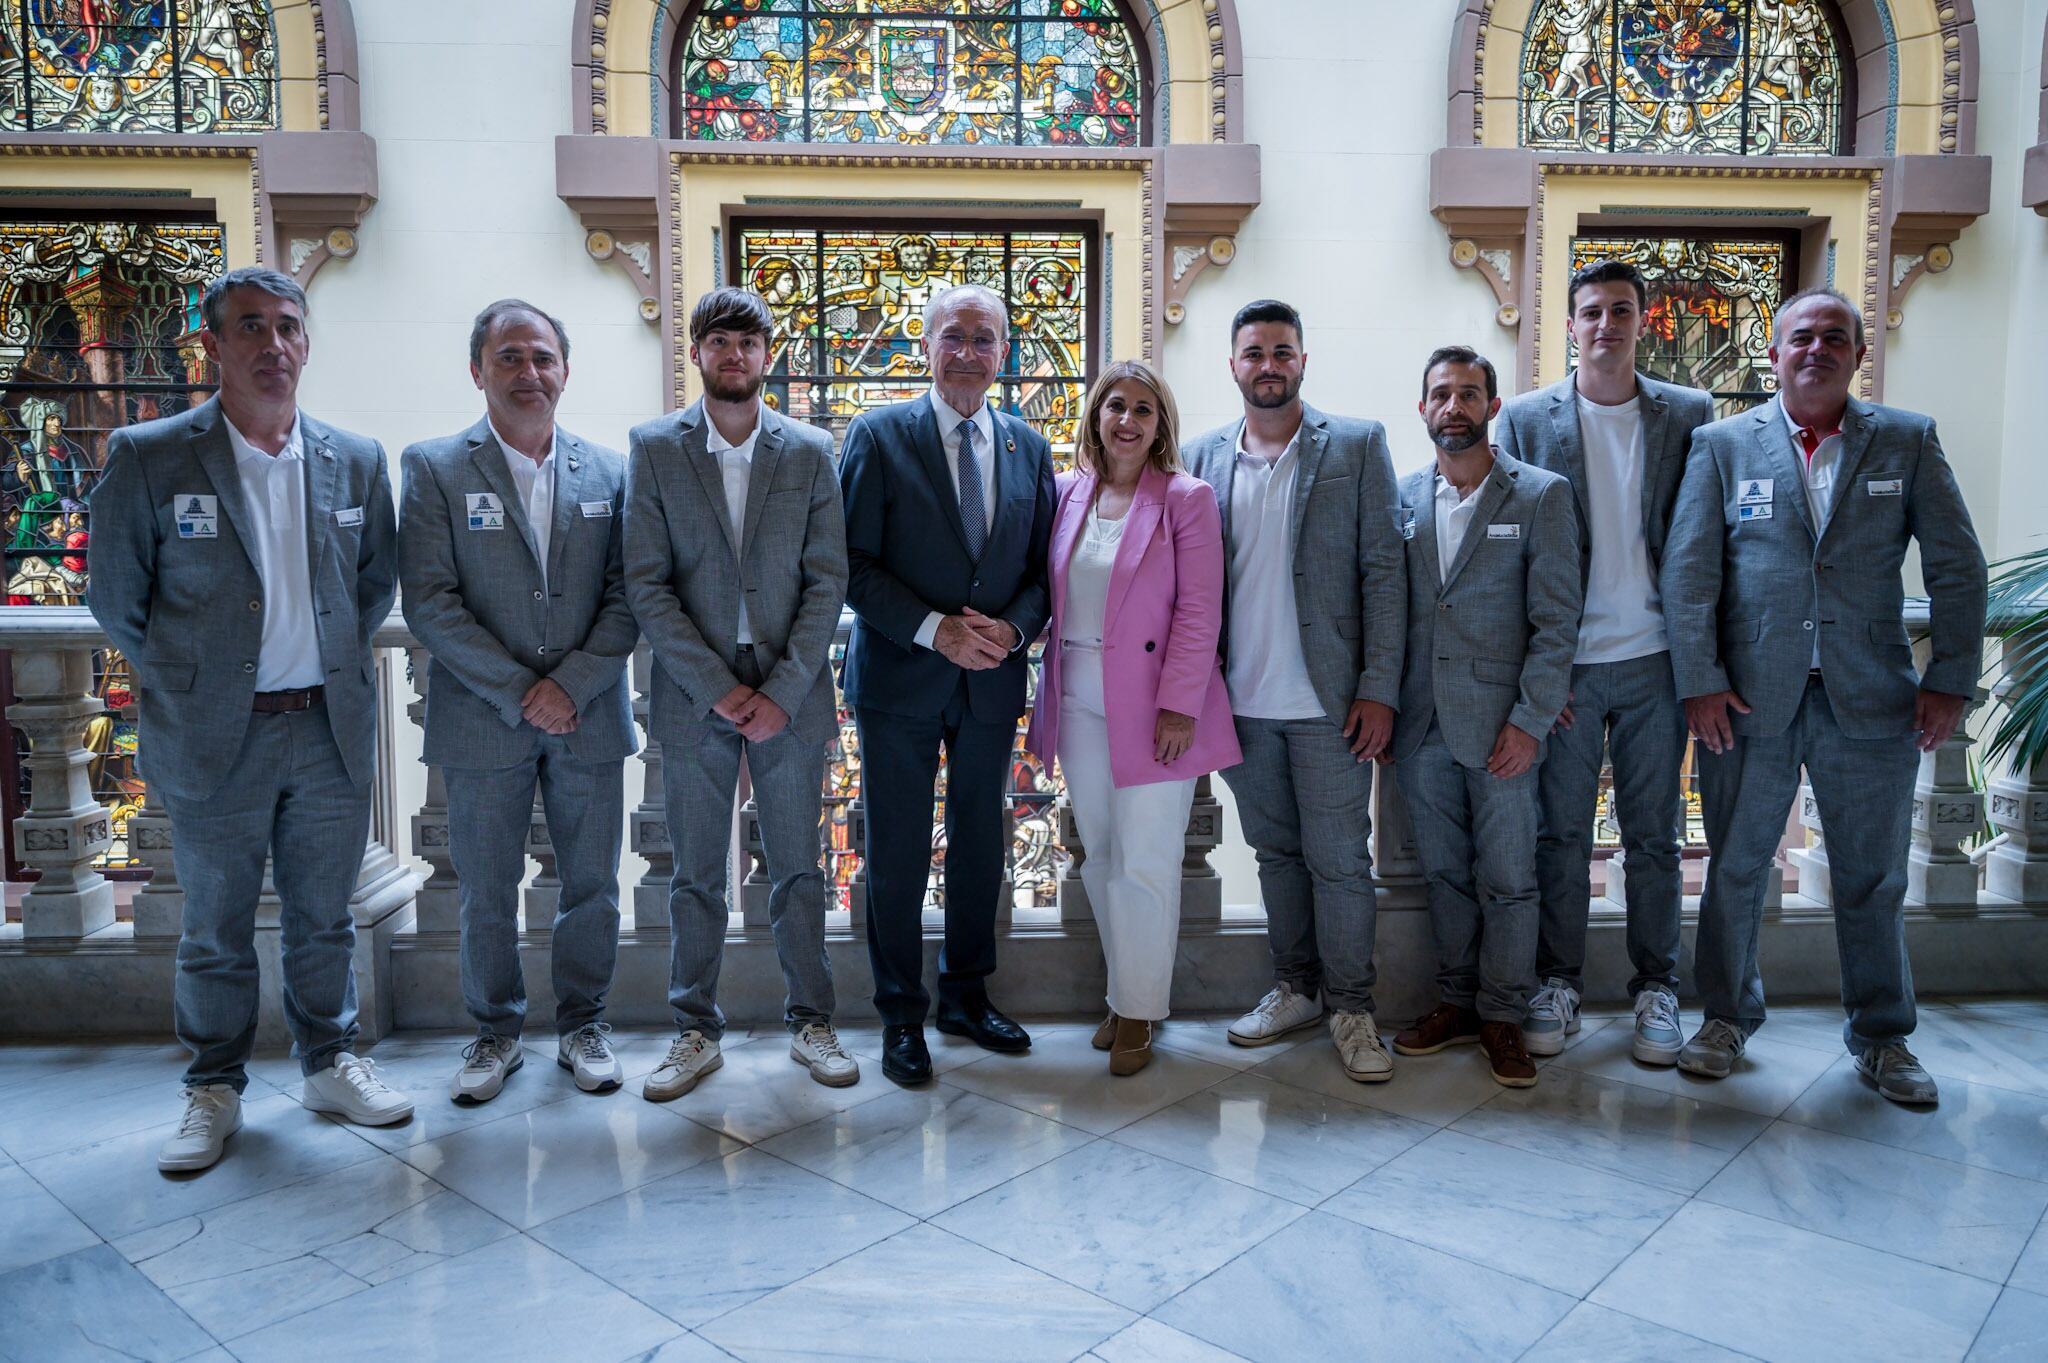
(137, 66)
(1030, 73)
(1684, 77)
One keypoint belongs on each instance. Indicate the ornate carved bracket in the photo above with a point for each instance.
(634, 258)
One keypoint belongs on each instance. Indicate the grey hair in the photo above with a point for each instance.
(213, 304)
(1807, 296)
(480, 330)
(946, 299)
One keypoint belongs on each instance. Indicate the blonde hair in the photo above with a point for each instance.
(1164, 455)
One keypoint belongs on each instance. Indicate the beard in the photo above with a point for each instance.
(1456, 442)
(727, 388)
(1260, 397)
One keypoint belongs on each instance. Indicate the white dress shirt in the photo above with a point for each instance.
(1453, 521)
(1268, 677)
(1820, 473)
(735, 467)
(984, 454)
(536, 484)
(1088, 572)
(1624, 616)
(274, 490)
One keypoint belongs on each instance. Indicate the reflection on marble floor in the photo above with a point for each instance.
(1226, 1204)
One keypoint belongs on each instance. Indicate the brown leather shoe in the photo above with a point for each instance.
(1506, 1055)
(1106, 1033)
(1444, 1025)
(1132, 1049)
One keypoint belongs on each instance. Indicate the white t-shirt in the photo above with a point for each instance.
(1088, 571)
(1267, 676)
(1624, 615)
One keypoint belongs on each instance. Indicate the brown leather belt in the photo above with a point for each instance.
(285, 702)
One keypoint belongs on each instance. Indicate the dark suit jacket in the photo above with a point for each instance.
(907, 557)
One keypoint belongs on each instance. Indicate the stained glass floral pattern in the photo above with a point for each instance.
(137, 66)
(1683, 77)
(1008, 72)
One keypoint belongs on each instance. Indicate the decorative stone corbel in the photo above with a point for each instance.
(1205, 193)
(308, 254)
(616, 186)
(1496, 265)
(1908, 268)
(1190, 258)
(635, 258)
(1930, 200)
(317, 188)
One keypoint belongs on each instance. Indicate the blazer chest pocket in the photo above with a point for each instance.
(1497, 672)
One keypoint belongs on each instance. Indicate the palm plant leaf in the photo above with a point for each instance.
(2018, 611)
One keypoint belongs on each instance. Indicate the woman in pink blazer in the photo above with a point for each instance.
(1131, 700)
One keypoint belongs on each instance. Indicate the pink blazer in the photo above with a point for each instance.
(1160, 628)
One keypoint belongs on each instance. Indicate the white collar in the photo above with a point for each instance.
(949, 420)
(247, 453)
(554, 443)
(715, 441)
(1248, 457)
(1792, 424)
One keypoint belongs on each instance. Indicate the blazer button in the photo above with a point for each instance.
(1806, 624)
(255, 605)
(248, 667)
(537, 596)
(1150, 645)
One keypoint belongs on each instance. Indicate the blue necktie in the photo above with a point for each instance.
(973, 519)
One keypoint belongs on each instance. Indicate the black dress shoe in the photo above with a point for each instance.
(904, 1057)
(984, 1026)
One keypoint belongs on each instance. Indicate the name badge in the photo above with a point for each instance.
(198, 516)
(349, 515)
(486, 512)
(1885, 487)
(1755, 492)
(1497, 531)
(596, 511)
(1407, 522)
(1756, 513)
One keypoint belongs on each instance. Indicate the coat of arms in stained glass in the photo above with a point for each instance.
(137, 66)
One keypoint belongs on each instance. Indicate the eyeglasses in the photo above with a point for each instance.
(953, 340)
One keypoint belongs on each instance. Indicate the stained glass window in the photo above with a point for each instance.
(99, 328)
(1711, 301)
(137, 66)
(1683, 77)
(1010, 72)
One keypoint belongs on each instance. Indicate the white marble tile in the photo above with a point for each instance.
(1812, 1026)
(1325, 1287)
(536, 1165)
(115, 1187)
(46, 1119)
(1437, 1089)
(1208, 1038)
(1120, 1223)
(1766, 1080)
(2016, 1332)
(682, 1349)
(2012, 1012)
(33, 1225)
(1594, 1332)
(758, 1092)
(1555, 1223)
(948, 1052)
(697, 1244)
(1625, 1129)
(426, 1233)
(1154, 1341)
(1065, 1078)
(2031, 1272)
(1971, 1220)
(421, 1066)
(1300, 1144)
(923, 1150)
(91, 1305)
(1994, 1053)
(1976, 1124)
(541, 1307)
(86, 1069)
(1793, 1296)
(920, 1294)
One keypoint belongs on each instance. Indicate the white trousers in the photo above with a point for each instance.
(1134, 839)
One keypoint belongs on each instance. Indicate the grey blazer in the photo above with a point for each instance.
(1493, 643)
(1542, 428)
(1350, 592)
(187, 612)
(475, 597)
(684, 573)
(1749, 580)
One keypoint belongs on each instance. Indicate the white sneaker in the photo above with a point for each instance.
(1358, 1046)
(485, 1064)
(816, 1047)
(1659, 1038)
(1280, 1012)
(352, 1091)
(587, 1054)
(1553, 1016)
(690, 1057)
(213, 1112)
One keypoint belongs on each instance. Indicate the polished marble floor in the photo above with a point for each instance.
(1225, 1204)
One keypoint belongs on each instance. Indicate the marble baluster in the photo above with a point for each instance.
(1948, 810)
(857, 884)
(1073, 892)
(1811, 861)
(2017, 869)
(1201, 888)
(439, 898)
(1396, 865)
(64, 829)
(543, 894)
(648, 838)
(160, 904)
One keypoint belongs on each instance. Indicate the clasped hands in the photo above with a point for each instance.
(548, 708)
(751, 712)
(974, 641)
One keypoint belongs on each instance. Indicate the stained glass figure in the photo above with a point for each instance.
(137, 66)
(1711, 302)
(1008, 72)
(1683, 77)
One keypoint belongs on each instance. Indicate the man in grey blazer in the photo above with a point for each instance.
(242, 557)
(736, 568)
(1316, 608)
(1782, 585)
(1620, 437)
(1494, 594)
(510, 556)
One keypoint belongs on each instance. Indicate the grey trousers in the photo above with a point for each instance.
(1473, 832)
(701, 778)
(288, 788)
(489, 812)
(1864, 788)
(1306, 806)
(1629, 711)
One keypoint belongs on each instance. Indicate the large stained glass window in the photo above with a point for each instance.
(137, 66)
(1009, 72)
(1712, 299)
(99, 328)
(1683, 77)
